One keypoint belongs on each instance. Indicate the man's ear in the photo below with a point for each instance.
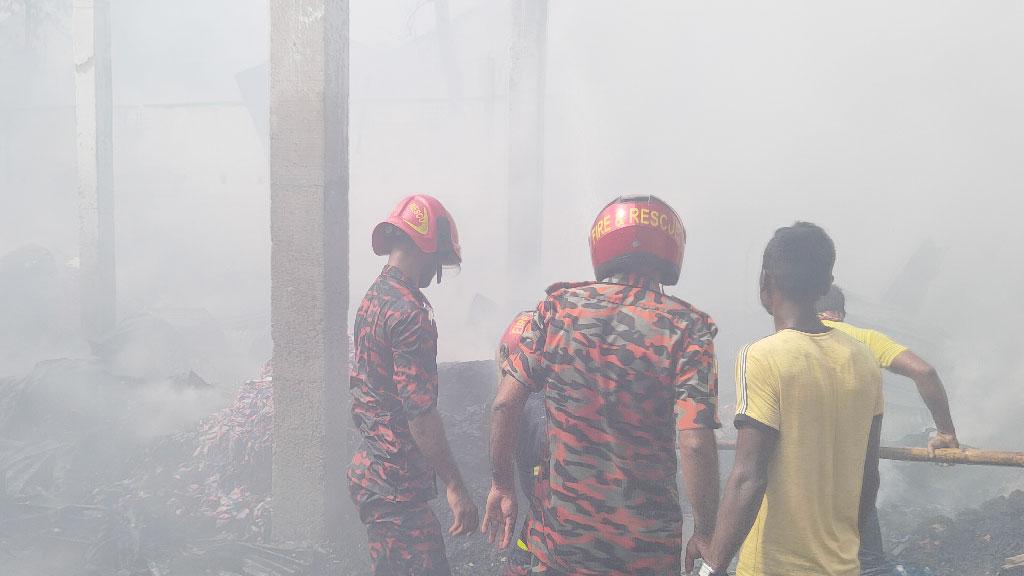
(764, 294)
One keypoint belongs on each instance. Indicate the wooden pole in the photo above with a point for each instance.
(953, 456)
(968, 456)
(94, 126)
(527, 77)
(446, 43)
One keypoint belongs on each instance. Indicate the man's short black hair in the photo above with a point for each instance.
(833, 301)
(799, 260)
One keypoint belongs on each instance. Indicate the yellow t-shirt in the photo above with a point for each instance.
(883, 348)
(820, 392)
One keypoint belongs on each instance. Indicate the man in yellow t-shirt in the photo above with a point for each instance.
(809, 416)
(898, 359)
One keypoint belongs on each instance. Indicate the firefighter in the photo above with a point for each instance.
(808, 419)
(531, 451)
(393, 382)
(896, 358)
(623, 368)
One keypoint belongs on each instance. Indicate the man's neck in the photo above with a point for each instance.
(410, 268)
(795, 316)
(635, 279)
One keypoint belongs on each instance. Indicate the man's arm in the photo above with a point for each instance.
(699, 451)
(696, 410)
(930, 387)
(506, 415)
(755, 448)
(869, 487)
(415, 376)
(699, 457)
(428, 433)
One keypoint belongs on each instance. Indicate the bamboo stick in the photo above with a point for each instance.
(968, 456)
(954, 456)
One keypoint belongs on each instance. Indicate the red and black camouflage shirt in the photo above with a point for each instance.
(623, 367)
(393, 380)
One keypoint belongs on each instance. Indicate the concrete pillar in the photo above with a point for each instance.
(527, 69)
(90, 28)
(309, 265)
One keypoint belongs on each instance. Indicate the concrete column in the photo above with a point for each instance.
(90, 24)
(527, 69)
(309, 265)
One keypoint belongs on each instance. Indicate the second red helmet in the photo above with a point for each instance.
(512, 335)
(636, 231)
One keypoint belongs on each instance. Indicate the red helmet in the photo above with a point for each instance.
(510, 339)
(426, 221)
(638, 230)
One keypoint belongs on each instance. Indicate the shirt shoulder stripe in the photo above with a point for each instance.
(741, 403)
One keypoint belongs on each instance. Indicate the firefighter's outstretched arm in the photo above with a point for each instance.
(501, 509)
(428, 433)
(930, 387)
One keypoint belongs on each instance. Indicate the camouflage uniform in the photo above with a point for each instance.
(531, 462)
(623, 367)
(393, 380)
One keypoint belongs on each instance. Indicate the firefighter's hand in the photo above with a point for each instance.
(464, 511)
(941, 440)
(500, 516)
(696, 548)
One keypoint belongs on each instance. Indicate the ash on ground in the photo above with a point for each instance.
(81, 494)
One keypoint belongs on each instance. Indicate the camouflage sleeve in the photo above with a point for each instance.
(526, 362)
(696, 383)
(413, 342)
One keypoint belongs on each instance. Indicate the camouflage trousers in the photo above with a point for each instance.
(520, 561)
(405, 538)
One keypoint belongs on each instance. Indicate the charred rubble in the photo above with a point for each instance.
(191, 502)
(82, 494)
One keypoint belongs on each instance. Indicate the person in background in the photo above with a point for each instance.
(898, 359)
(393, 382)
(531, 451)
(624, 368)
(809, 418)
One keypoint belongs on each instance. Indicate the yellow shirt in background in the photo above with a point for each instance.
(883, 348)
(820, 392)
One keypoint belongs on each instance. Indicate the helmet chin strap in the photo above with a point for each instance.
(425, 279)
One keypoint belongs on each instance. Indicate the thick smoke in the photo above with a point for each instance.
(897, 127)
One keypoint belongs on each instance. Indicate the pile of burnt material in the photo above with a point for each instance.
(78, 497)
(978, 541)
(83, 493)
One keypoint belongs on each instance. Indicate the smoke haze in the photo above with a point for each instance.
(896, 126)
